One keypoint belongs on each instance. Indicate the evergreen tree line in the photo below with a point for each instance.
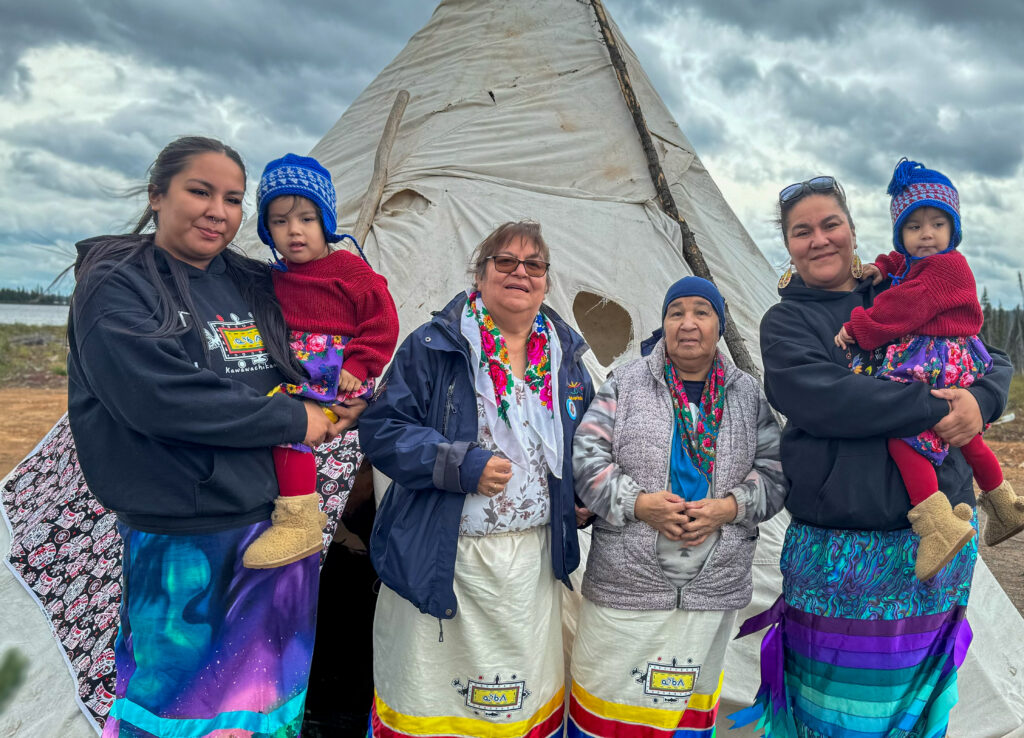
(1004, 327)
(38, 296)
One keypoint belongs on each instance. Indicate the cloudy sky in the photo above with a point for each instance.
(769, 94)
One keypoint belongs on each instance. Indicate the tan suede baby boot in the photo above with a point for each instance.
(296, 531)
(943, 531)
(1004, 513)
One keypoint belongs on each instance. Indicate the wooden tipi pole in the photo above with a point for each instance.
(368, 208)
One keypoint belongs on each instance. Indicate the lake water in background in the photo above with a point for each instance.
(33, 314)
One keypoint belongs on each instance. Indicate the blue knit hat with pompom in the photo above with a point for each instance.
(912, 187)
(297, 175)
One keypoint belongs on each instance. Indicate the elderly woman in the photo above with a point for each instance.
(859, 645)
(679, 458)
(474, 423)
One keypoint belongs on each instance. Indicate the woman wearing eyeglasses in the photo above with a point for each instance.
(858, 645)
(474, 423)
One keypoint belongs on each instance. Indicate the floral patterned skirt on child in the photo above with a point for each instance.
(323, 356)
(939, 362)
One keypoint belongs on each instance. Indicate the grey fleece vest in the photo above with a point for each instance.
(623, 570)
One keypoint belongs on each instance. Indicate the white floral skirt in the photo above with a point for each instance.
(494, 670)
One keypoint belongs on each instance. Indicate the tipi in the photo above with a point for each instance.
(517, 111)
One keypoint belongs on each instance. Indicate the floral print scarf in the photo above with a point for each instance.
(517, 418)
(700, 432)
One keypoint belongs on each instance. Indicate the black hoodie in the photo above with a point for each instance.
(834, 443)
(173, 438)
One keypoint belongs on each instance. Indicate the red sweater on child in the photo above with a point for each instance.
(937, 298)
(340, 295)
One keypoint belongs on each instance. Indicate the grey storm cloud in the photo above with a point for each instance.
(125, 151)
(256, 51)
(997, 22)
(736, 73)
(987, 142)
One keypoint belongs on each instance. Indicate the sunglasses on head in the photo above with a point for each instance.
(817, 184)
(508, 264)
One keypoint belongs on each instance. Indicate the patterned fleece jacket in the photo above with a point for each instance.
(622, 449)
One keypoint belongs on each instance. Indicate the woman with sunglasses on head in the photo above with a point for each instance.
(857, 644)
(474, 423)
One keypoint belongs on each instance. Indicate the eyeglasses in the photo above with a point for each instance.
(818, 184)
(508, 264)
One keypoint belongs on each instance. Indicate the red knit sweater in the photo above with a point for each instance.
(340, 295)
(937, 298)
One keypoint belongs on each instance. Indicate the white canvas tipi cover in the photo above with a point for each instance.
(516, 113)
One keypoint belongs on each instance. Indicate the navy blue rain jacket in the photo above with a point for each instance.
(421, 430)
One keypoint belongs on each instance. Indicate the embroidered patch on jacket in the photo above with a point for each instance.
(573, 395)
(493, 698)
(236, 338)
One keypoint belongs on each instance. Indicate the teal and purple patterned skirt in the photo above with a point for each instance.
(857, 645)
(207, 645)
(939, 362)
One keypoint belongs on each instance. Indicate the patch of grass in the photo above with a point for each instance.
(33, 356)
(12, 673)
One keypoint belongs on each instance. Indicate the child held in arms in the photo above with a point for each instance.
(343, 330)
(931, 317)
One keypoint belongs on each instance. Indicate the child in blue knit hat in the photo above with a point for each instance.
(930, 317)
(343, 329)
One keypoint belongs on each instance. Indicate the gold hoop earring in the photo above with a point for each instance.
(856, 267)
(786, 276)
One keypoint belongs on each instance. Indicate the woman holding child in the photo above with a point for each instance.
(678, 456)
(474, 423)
(175, 341)
(859, 644)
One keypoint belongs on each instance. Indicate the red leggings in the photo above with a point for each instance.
(295, 470)
(919, 473)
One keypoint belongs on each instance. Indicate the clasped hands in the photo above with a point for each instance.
(689, 523)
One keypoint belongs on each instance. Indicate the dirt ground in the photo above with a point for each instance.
(26, 417)
(29, 413)
(1007, 559)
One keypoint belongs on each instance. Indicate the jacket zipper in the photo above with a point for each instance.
(668, 481)
(447, 409)
(667, 487)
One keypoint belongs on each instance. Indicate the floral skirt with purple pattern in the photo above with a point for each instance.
(940, 362)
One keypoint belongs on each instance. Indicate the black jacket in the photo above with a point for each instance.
(834, 443)
(173, 438)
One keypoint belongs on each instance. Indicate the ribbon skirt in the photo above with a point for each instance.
(206, 645)
(647, 673)
(857, 645)
(495, 670)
